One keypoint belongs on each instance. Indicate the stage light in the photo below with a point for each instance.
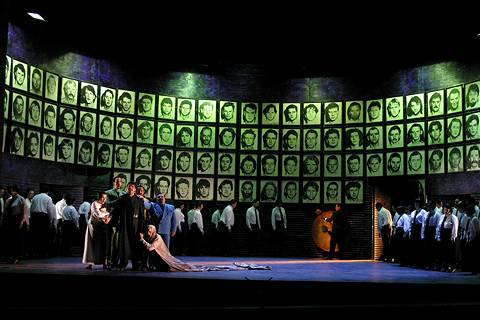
(36, 16)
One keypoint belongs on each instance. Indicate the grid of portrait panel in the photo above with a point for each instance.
(216, 150)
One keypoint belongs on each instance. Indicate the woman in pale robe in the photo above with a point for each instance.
(96, 234)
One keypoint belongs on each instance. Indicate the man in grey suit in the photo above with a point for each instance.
(165, 218)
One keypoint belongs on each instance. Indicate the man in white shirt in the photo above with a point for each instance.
(385, 229)
(227, 220)
(178, 242)
(253, 225)
(279, 225)
(43, 215)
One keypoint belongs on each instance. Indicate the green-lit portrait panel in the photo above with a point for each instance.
(436, 132)
(207, 111)
(290, 190)
(455, 159)
(204, 189)
(353, 192)
(415, 106)
(125, 102)
(67, 120)
(248, 139)
(270, 113)
(146, 107)
(354, 165)
(471, 126)
(311, 192)
(163, 184)
(185, 136)
(395, 163)
(144, 180)
(332, 139)
(48, 147)
(291, 114)
(269, 164)
(416, 162)
(166, 108)
(183, 188)
(416, 134)
(124, 129)
(311, 165)
(164, 161)
(6, 104)
(354, 138)
(249, 114)
(454, 129)
(32, 144)
(436, 103)
(144, 159)
(165, 133)
(312, 113)
(454, 100)
(332, 191)
(108, 96)
(248, 191)
(394, 106)
(104, 155)
(145, 131)
(354, 112)
(36, 81)
(49, 116)
(226, 164)
(374, 138)
(34, 114)
(66, 150)
(186, 109)
(290, 165)
(88, 95)
(311, 140)
(472, 97)
(123, 157)
(291, 140)
(270, 139)
(69, 91)
(20, 75)
(183, 161)
(17, 140)
(8, 70)
(332, 113)
(268, 191)
(225, 189)
(374, 111)
(206, 137)
(436, 161)
(248, 165)
(51, 86)
(86, 152)
(106, 129)
(228, 112)
(88, 124)
(394, 136)
(374, 165)
(125, 177)
(19, 107)
(227, 138)
(206, 163)
(333, 165)
(472, 157)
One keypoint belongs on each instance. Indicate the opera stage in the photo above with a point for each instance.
(292, 284)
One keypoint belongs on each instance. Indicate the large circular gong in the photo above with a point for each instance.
(321, 231)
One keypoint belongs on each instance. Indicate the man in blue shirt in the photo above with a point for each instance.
(164, 215)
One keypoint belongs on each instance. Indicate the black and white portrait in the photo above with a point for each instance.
(332, 139)
(354, 138)
(415, 134)
(374, 165)
(146, 105)
(227, 138)
(185, 137)
(104, 155)
(395, 163)
(472, 95)
(332, 192)
(186, 110)
(472, 131)
(19, 107)
(144, 159)
(311, 165)
(435, 103)
(123, 157)
(88, 95)
(207, 111)
(225, 189)
(226, 164)
(248, 139)
(270, 139)
(206, 137)
(144, 180)
(291, 165)
(374, 138)
(454, 100)
(311, 192)
(455, 159)
(472, 158)
(353, 192)
(454, 129)
(34, 112)
(85, 152)
(124, 129)
(66, 150)
(291, 140)
(354, 165)
(32, 145)
(88, 123)
(51, 86)
(108, 97)
(416, 162)
(395, 136)
(374, 111)
(20, 75)
(8, 70)
(36, 81)
(332, 113)
(49, 147)
(249, 113)
(333, 165)
(354, 113)
(228, 112)
(270, 113)
(145, 131)
(6, 104)
(291, 113)
(436, 132)
(124, 176)
(164, 160)
(436, 160)
(269, 165)
(69, 92)
(268, 191)
(248, 165)
(106, 129)
(290, 190)
(183, 162)
(67, 122)
(166, 108)
(394, 106)
(312, 113)
(204, 189)
(205, 162)
(125, 102)
(49, 116)
(163, 184)
(415, 106)
(165, 134)
(248, 191)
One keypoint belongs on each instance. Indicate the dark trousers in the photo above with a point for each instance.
(112, 246)
(253, 239)
(13, 236)
(69, 234)
(178, 243)
(386, 233)
(41, 232)
(340, 238)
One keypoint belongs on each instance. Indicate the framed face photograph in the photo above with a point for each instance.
(249, 113)
(248, 191)
(185, 136)
(435, 132)
(270, 139)
(66, 149)
(332, 113)
(36, 81)
(49, 144)
(206, 137)
(415, 106)
(354, 138)
(248, 165)
(88, 95)
(354, 165)
(69, 92)
(8, 69)
(311, 192)
(144, 159)
(226, 164)
(6, 104)
(104, 155)
(455, 159)
(163, 184)
(164, 161)
(333, 191)
(186, 110)
(183, 162)
(394, 108)
(374, 138)
(270, 113)
(291, 165)
(228, 112)
(204, 189)
(291, 140)
(207, 111)
(88, 123)
(124, 177)
(291, 114)
(123, 157)
(311, 140)
(354, 112)
(225, 189)
(108, 97)
(454, 129)
(20, 75)
(4, 138)
(269, 165)
(248, 137)
(374, 165)
(415, 134)
(17, 138)
(49, 116)
(34, 112)
(106, 127)
(332, 138)
(124, 129)
(311, 165)
(333, 165)
(471, 126)
(472, 159)
(374, 111)
(290, 190)
(51, 86)
(67, 122)
(472, 97)
(416, 162)
(19, 107)
(312, 113)
(146, 106)
(353, 192)
(165, 134)
(32, 145)
(125, 102)
(268, 191)
(144, 180)
(205, 163)
(395, 163)
(166, 108)
(454, 100)
(85, 152)
(227, 138)
(436, 102)
(145, 131)
(436, 161)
